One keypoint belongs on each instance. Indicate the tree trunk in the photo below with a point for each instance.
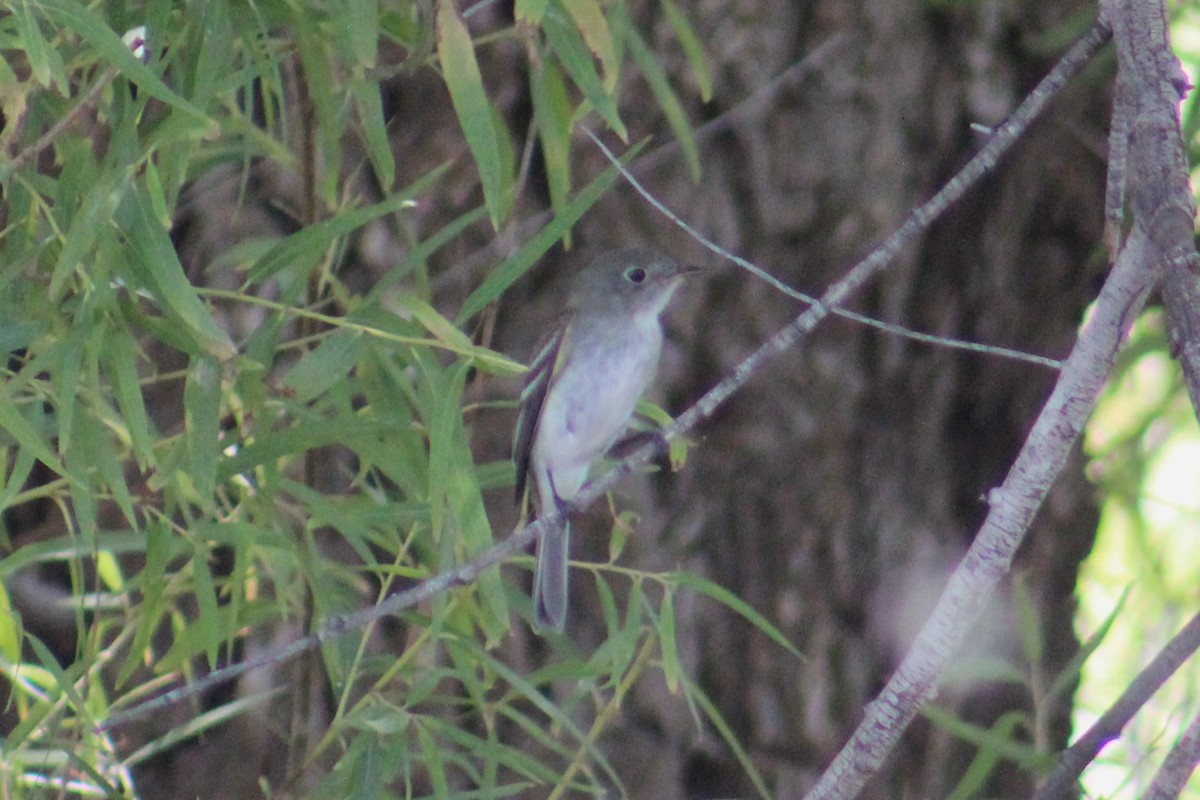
(838, 491)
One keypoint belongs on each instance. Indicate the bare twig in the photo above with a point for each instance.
(1075, 758)
(1178, 766)
(807, 299)
(62, 123)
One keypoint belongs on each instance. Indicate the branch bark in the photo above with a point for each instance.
(1178, 766)
(1075, 758)
(1013, 506)
(1157, 186)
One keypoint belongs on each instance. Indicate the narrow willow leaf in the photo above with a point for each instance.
(697, 696)
(93, 212)
(120, 364)
(209, 615)
(668, 643)
(520, 262)
(14, 481)
(361, 18)
(460, 70)
(552, 112)
(667, 99)
(370, 114)
(692, 48)
(323, 366)
(102, 456)
(10, 630)
(530, 11)
(93, 30)
(325, 92)
(455, 498)
(37, 53)
(576, 58)
(422, 251)
(591, 23)
(214, 51)
(202, 420)
(432, 758)
(155, 265)
(736, 604)
(442, 329)
(64, 377)
(306, 247)
(152, 581)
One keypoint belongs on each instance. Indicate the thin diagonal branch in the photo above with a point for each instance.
(1075, 758)
(1178, 766)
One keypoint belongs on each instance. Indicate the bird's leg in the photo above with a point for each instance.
(630, 444)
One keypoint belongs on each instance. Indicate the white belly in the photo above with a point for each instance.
(586, 409)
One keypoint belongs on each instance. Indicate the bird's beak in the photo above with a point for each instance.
(686, 270)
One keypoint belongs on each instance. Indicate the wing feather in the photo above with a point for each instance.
(533, 397)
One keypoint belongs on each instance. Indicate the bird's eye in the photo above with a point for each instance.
(635, 275)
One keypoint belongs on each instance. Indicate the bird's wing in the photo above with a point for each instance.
(533, 396)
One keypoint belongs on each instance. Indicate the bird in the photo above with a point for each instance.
(580, 393)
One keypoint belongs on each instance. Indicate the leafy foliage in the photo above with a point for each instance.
(211, 452)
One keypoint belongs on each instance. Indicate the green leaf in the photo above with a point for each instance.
(418, 255)
(10, 630)
(325, 94)
(442, 329)
(653, 72)
(434, 764)
(213, 45)
(996, 741)
(94, 211)
(460, 70)
(154, 264)
(697, 695)
(670, 647)
(576, 59)
(120, 364)
(455, 498)
(519, 262)
(736, 604)
(530, 11)
(305, 248)
(37, 52)
(1068, 677)
(591, 23)
(361, 20)
(552, 112)
(209, 614)
(102, 456)
(202, 426)
(692, 48)
(108, 44)
(16, 426)
(324, 365)
(370, 113)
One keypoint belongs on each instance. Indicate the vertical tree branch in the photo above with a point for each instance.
(1013, 507)
(1158, 189)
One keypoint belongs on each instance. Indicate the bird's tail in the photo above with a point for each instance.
(550, 582)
